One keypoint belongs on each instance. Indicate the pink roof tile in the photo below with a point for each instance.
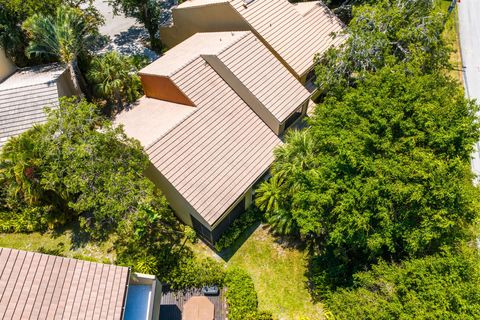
(40, 286)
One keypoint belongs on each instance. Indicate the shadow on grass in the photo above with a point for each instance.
(227, 253)
(78, 237)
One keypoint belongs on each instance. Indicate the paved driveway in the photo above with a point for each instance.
(124, 34)
(469, 20)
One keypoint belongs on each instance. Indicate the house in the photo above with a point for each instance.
(294, 33)
(24, 94)
(6, 66)
(216, 106)
(41, 286)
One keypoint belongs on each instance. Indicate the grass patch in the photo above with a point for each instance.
(450, 35)
(60, 245)
(278, 274)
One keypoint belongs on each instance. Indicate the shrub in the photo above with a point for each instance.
(241, 296)
(194, 272)
(29, 220)
(436, 287)
(190, 234)
(238, 227)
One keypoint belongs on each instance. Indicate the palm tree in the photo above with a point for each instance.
(295, 155)
(271, 197)
(19, 166)
(115, 79)
(62, 36)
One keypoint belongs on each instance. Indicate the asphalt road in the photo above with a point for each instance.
(469, 20)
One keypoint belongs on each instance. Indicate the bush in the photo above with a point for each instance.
(29, 220)
(238, 227)
(194, 272)
(437, 287)
(241, 296)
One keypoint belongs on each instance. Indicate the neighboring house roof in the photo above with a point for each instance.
(149, 119)
(24, 96)
(295, 32)
(40, 286)
(219, 151)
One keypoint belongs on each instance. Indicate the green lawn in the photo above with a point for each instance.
(58, 244)
(278, 273)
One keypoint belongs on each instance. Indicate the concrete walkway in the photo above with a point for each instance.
(469, 21)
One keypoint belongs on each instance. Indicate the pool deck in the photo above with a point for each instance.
(172, 303)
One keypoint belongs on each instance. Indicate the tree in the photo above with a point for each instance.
(445, 286)
(150, 240)
(13, 13)
(83, 167)
(63, 36)
(147, 12)
(386, 33)
(114, 78)
(388, 174)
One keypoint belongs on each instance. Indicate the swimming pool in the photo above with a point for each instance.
(138, 302)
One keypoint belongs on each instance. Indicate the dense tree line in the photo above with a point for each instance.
(382, 173)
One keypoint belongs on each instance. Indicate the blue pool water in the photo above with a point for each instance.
(138, 302)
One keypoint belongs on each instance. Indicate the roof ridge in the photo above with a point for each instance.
(171, 74)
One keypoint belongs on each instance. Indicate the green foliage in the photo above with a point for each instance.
(386, 172)
(147, 12)
(28, 220)
(190, 234)
(149, 240)
(237, 228)
(62, 36)
(194, 272)
(12, 38)
(115, 78)
(13, 13)
(241, 296)
(386, 33)
(444, 286)
(79, 167)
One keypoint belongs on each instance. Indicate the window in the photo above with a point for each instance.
(297, 114)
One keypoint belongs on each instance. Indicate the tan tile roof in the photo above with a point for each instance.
(149, 119)
(264, 76)
(23, 97)
(185, 52)
(249, 61)
(40, 286)
(295, 38)
(295, 33)
(219, 151)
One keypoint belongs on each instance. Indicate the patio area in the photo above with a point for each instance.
(173, 301)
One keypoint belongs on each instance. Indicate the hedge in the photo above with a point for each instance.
(242, 298)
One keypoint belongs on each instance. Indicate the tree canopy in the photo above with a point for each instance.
(444, 286)
(385, 33)
(383, 171)
(115, 78)
(77, 166)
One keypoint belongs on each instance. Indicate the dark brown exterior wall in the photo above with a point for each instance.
(164, 89)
